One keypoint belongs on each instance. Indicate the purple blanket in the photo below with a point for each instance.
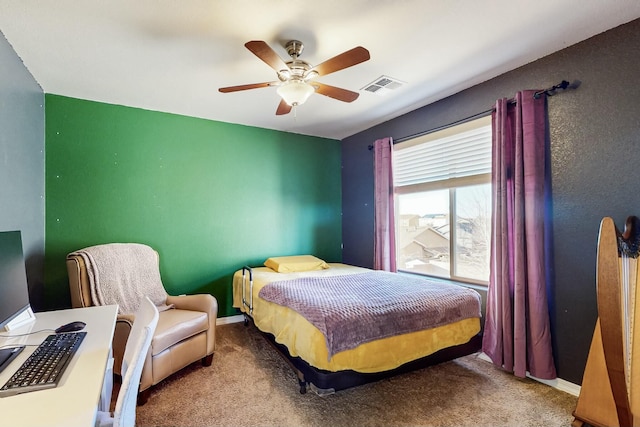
(354, 309)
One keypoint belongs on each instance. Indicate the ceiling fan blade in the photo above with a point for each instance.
(342, 61)
(268, 55)
(283, 108)
(335, 92)
(245, 87)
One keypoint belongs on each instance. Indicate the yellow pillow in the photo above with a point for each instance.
(295, 263)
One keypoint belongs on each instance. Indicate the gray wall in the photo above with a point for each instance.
(595, 156)
(22, 163)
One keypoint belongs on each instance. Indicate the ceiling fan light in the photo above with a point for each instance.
(295, 92)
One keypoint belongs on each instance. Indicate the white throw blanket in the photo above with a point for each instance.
(123, 273)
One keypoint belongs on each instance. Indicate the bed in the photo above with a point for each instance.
(338, 346)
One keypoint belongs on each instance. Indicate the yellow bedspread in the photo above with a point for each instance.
(306, 341)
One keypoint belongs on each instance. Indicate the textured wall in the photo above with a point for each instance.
(209, 196)
(595, 135)
(22, 163)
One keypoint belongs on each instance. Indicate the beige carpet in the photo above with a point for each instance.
(250, 385)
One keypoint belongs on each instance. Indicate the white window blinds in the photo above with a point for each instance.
(442, 157)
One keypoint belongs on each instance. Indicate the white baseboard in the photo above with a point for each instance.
(230, 319)
(558, 383)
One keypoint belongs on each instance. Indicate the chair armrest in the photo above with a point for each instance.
(199, 302)
(124, 322)
(78, 282)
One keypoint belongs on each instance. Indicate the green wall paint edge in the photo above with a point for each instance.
(209, 196)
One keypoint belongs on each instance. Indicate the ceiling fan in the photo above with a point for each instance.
(296, 77)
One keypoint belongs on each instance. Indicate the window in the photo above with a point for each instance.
(441, 179)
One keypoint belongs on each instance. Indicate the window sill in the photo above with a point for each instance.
(477, 287)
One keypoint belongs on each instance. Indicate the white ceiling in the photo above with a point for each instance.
(172, 56)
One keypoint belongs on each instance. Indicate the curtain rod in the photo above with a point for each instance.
(548, 92)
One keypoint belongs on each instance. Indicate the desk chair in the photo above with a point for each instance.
(135, 353)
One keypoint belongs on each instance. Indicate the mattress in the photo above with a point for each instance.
(304, 340)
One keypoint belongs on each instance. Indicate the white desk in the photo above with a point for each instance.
(77, 398)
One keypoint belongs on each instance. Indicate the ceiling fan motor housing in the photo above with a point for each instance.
(297, 69)
(294, 48)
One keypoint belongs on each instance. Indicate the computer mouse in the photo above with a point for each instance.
(71, 327)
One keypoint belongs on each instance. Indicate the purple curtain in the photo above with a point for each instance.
(517, 336)
(384, 250)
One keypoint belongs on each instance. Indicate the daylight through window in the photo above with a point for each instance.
(442, 185)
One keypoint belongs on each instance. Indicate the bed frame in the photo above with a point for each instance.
(326, 382)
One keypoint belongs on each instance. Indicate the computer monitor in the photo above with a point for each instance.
(14, 291)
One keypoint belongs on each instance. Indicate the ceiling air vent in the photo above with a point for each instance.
(382, 85)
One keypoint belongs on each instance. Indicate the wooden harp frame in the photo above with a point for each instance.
(610, 391)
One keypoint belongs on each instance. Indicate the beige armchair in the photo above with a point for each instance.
(185, 333)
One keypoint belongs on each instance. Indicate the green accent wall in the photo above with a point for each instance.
(210, 197)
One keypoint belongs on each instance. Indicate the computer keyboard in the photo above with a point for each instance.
(45, 366)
